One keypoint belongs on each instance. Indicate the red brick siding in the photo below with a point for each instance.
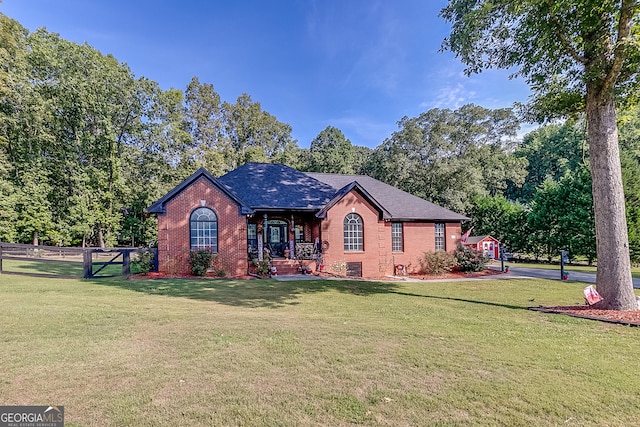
(419, 237)
(375, 243)
(377, 258)
(173, 230)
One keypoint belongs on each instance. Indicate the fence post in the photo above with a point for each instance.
(126, 263)
(87, 259)
(0, 259)
(154, 251)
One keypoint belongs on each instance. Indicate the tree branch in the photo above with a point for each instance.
(620, 51)
(562, 36)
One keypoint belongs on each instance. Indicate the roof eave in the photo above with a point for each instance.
(159, 207)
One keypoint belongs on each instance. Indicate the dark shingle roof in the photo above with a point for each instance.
(400, 204)
(267, 186)
(275, 186)
(159, 206)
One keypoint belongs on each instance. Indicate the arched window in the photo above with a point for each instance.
(203, 226)
(353, 236)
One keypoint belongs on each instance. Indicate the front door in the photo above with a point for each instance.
(277, 235)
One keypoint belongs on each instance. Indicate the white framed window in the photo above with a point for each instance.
(203, 228)
(397, 242)
(439, 233)
(353, 234)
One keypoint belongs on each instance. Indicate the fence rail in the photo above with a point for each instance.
(85, 257)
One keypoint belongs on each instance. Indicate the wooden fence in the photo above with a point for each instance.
(88, 258)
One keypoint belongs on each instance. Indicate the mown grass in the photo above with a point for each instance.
(60, 269)
(635, 271)
(225, 352)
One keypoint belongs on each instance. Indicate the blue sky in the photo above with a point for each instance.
(358, 65)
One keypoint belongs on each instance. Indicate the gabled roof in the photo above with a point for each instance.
(473, 240)
(273, 187)
(159, 206)
(344, 191)
(270, 186)
(400, 205)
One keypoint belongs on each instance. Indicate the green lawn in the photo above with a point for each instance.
(224, 352)
(61, 269)
(635, 271)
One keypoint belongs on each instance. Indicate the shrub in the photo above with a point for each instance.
(436, 262)
(262, 268)
(469, 259)
(200, 261)
(143, 264)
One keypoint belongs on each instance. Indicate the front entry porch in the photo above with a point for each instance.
(280, 237)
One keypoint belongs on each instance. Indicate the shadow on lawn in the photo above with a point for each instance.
(36, 268)
(494, 304)
(268, 293)
(246, 293)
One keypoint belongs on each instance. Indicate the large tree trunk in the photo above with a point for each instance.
(614, 281)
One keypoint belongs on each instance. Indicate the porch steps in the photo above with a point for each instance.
(290, 266)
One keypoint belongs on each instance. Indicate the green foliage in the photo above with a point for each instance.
(143, 263)
(85, 146)
(630, 174)
(435, 263)
(562, 217)
(262, 268)
(500, 218)
(577, 56)
(449, 157)
(331, 152)
(551, 152)
(470, 260)
(200, 261)
(559, 48)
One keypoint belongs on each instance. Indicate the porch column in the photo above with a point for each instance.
(264, 230)
(292, 241)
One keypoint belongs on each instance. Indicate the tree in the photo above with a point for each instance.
(450, 156)
(254, 134)
(331, 152)
(577, 55)
(360, 158)
(500, 218)
(551, 151)
(205, 120)
(561, 217)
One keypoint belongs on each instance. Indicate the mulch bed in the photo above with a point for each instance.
(631, 318)
(456, 275)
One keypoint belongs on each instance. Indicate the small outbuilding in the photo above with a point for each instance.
(488, 245)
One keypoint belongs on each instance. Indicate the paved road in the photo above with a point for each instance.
(543, 273)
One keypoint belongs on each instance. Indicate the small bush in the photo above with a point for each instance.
(470, 260)
(200, 261)
(438, 262)
(143, 264)
(262, 268)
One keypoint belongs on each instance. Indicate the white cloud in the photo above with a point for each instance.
(362, 130)
(450, 96)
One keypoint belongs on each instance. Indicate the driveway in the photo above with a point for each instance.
(544, 273)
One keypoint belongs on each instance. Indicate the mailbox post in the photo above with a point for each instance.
(503, 251)
(564, 257)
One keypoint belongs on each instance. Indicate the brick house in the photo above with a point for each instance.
(345, 224)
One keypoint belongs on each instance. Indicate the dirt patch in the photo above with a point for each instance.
(631, 318)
